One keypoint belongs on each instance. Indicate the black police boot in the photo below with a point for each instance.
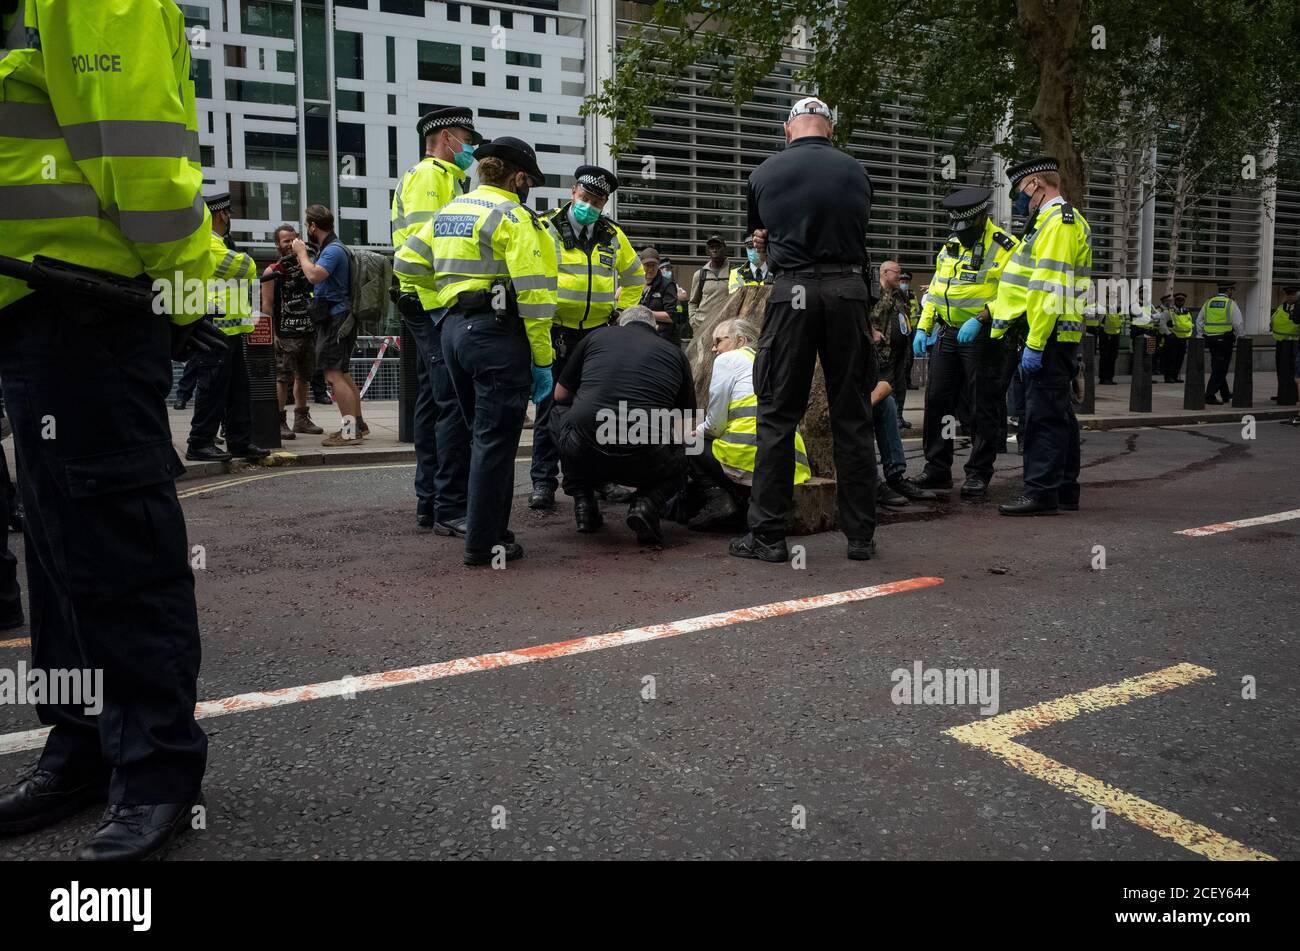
(454, 528)
(1027, 506)
(137, 833)
(887, 496)
(250, 453)
(974, 488)
(424, 513)
(643, 519)
(615, 493)
(513, 552)
(543, 497)
(751, 546)
(861, 550)
(41, 798)
(180, 402)
(930, 479)
(719, 511)
(13, 620)
(208, 453)
(586, 513)
(910, 490)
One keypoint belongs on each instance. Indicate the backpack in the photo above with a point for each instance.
(371, 274)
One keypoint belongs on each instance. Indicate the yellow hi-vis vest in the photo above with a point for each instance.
(420, 195)
(966, 279)
(1113, 324)
(742, 277)
(230, 289)
(486, 236)
(737, 447)
(99, 143)
(592, 284)
(1284, 326)
(1047, 280)
(1180, 321)
(1216, 315)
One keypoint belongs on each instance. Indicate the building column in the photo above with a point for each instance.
(1257, 307)
(600, 58)
(1147, 228)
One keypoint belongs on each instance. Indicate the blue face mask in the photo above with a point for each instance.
(465, 157)
(667, 273)
(584, 213)
(752, 255)
(1020, 204)
(904, 286)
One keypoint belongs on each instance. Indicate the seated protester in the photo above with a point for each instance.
(889, 334)
(660, 296)
(614, 401)
(724, 471)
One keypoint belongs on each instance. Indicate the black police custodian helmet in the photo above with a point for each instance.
(599, 181)
(1022, 170)
(452, 117)
(967, 205)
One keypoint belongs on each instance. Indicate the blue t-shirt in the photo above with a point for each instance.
(336, 288)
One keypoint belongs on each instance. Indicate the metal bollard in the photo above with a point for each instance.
(1139, 395)
(407, 387)
(263, 395)
(1287, 394)
(1243, 377)
(1194, 387)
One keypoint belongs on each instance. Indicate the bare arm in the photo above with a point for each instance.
(313, 272)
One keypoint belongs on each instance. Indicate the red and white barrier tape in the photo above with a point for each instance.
(374, 367)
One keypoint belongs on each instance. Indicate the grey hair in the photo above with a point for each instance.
(636, 314)
(741, 329)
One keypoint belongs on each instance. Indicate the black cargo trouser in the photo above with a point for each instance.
(11, 606)
(1107, 355)
(832, 324)
(489, 364)
(957, 368)
(223, 397)
(1220, 347)
(654, 471)
(1175, 350)
(545, 469)
(108, 565)
(440, 437)
(1050, 430)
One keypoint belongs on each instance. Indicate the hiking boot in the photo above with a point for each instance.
(302, 423)
(285, 431)
(335, 439)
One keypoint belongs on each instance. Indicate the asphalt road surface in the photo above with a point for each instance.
(774, 736)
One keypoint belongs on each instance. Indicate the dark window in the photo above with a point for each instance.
(390, 50)
(348, 60)
(267, 18)
(350, 99)
(539, 24)
(202, 78)
(536, 117)
(480, 79)
(438, 62)
(243, 90)
(315, 78)
(392, 154)
(478, 16)
(507, 19)
(355, 4)
(478, 54)
(523, 59)
(497, 114)
(534, 85)
(512, 82)
(410, 8)
(453, 12)
(271, 150)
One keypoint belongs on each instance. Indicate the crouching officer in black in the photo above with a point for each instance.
(809, 207)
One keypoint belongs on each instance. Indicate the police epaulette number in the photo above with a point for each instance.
(1004, 239)
(1067, 214)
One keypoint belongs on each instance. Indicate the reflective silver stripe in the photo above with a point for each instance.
(489, 226)
(160, 227)
(576, 270)
(929, 299)
(402, 266)
(420, 247)
(1018, 280)
(1066, 266)
(19, 202)
(965, 302)
(635, 280)
(28, 120)
(463, 266)
(579, 297)
(536, 311)
(742, 412)
(225, 263)
(398, 205)
(534, 282)
(604, 297)
(632, 271)
(740, 439)
(419, 217)
(1053, 287)
(126, 137)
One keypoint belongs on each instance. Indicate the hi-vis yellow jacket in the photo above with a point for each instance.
(99, 143)
(230, 289)
(737, 446)
(586, 290)
(966, 279)
(1047, 279)
(420, 195)
(486, 235)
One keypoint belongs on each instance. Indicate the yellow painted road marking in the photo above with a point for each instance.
(996, 735)
(231, 483)
(16, 642)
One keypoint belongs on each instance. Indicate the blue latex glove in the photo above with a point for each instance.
(919, 343)
(969, 330)
(543, 384)
(1031, 360)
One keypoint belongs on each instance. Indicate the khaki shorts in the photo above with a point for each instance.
(295, 359)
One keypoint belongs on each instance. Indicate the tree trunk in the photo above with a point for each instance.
(1051, 29)
(1176, 226)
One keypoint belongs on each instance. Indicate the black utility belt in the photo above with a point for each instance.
(821, 270)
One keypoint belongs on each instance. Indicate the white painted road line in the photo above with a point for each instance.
(1218, 527)
(348, 686)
